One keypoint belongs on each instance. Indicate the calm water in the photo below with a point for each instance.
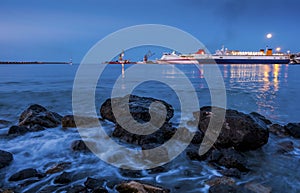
(271, 90)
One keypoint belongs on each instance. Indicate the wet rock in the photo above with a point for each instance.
(278, 130)
(77, 189)
(131, 173)
(224, 188)
(285, 147)
(39, 115)
(231, 172)
(138, 107)
(258, 117)
(17, 130)
(5, 158)
(48, 189)
(99, 190)
(68, 121)
(133, 186)
(92, 183)
(64, 178)
(24, 174)
(7, 191)
(79, 145)
(293, 129)
(20, 130)
(229, 158)
(258, 188)
(158, 137)
(58, 167)
(241, 131)
(220, 180)
(4, 123)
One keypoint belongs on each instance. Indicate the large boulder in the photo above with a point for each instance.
(242, 131)
(39, 115)
(293, 129)
(5, 158)
(138, 106)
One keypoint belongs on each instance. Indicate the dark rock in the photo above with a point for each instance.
(17, 130)
(58, 167)
(138, 106)
(4, 123)
(229, 158)
(278, 130)
(7, 191)
(216, 180)
(99, 190)
(224, 188)
(285, 147)
(260, 117)
(36, 128)
(39, 115)
(92, 183)
(68, 121)
(64, 178)
(231, 172)
(24, 174)
(79, 145)
(133, 186)
(158, 137)
(131, 173)
(5, 158)
(241, 131)
(77, 189)
(293, 129)
(48, 189)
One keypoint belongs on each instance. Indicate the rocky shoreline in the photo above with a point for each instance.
(240, 133)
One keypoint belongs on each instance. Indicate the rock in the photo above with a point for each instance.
(257, 188)
(259, 117)
(293, 129)
(92, 183)
(39, 115)
(77, 189)
(24, 174)
(278, 130)
(17, 130)
(241, 131)
(58, 167)
(5, 158)
(223, 188)
(64, 178)
(138, 106)
(229, 158)
(285, 147)
(231, 172)
(68, 121)
(7, 191)
(20, 130)
(4, 123)
(100, 190)
(133, 186)
(158, 137)
(159, 156)
(49, 189)
(79, 145)
(220, 180)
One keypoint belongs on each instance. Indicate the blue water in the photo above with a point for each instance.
(271, 90)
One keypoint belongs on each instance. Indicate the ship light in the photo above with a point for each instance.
(278, 49)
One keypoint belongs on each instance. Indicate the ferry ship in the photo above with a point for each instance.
(225, 56)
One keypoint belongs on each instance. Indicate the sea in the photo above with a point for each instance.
(271, 90)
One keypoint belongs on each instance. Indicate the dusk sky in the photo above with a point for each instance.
(50, 30)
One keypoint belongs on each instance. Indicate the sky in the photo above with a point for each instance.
(49, 30)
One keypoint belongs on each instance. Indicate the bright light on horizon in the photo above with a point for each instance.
(278, 49)
(269, 35)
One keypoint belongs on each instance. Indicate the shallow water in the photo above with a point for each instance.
(271, 90)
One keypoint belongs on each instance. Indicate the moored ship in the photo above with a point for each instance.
(225, 56)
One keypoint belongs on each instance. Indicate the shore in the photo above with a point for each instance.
(237, 158)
